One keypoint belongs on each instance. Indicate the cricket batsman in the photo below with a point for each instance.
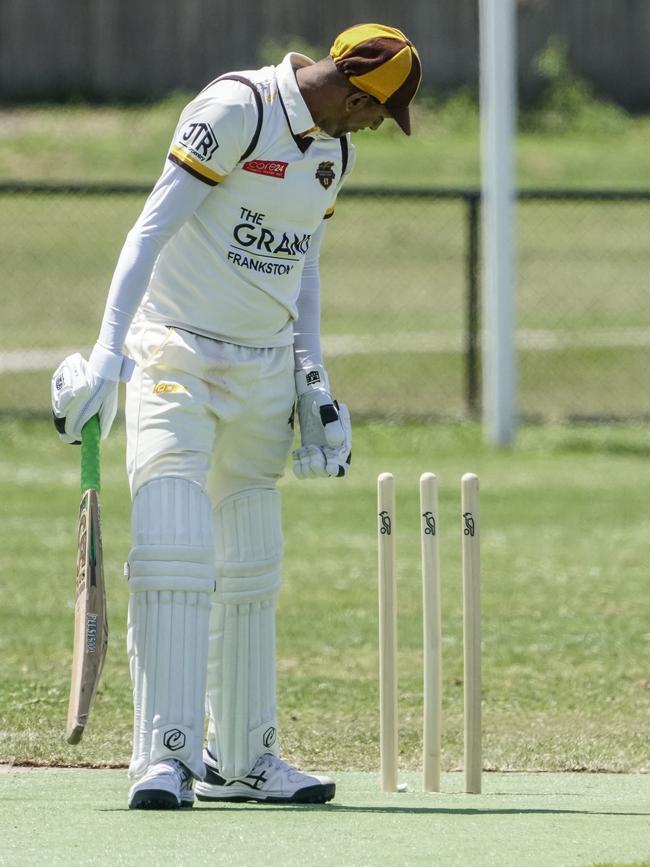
(213, 320)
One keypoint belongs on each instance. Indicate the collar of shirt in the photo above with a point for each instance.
(300, 120)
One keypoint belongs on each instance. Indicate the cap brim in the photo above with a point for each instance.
(401, 116)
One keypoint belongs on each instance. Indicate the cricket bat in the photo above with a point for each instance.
(90, 620)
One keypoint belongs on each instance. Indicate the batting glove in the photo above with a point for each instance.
(81, 389)
(325, 429)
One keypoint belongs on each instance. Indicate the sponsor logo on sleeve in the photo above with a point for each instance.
(197, 137)
(270, 168)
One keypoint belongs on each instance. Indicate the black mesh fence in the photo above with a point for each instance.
(401, 305)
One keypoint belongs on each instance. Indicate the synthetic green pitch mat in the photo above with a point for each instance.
(72, 816)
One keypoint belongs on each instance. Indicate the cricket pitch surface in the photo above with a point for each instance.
(79, 816)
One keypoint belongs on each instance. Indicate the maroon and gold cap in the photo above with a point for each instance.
(382, 62)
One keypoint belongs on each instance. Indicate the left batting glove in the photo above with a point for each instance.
(81, 389)
(325, 429)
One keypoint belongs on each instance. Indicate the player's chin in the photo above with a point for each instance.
(344, 129)
(360, 127)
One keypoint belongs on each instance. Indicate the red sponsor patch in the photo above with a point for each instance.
(270, 168)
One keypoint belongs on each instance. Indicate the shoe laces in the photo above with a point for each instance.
(275, 763)
(187, 780)
(182, 774)
(271, 761)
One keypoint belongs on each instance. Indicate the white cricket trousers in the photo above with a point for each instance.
(209, 429)
(211, 412)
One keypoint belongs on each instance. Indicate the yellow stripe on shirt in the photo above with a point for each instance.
(180, 156)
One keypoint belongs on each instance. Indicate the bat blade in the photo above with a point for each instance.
(90, 622)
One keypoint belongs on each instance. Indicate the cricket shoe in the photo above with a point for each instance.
(167, 785)
(271, 780)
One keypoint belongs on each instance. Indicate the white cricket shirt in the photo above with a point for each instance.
(233, 269)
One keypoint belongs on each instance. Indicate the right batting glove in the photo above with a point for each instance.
(325, 429)
(81, 389)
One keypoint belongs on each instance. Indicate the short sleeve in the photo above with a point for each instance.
(214, 130)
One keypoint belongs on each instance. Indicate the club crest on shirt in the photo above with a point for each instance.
(325, 174)
(199, 140)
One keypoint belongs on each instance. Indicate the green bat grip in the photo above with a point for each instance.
(90, 477)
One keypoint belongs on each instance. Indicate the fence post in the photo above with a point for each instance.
(472, 384)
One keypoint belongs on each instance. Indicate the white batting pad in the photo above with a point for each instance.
(171, 583)
(241, 657)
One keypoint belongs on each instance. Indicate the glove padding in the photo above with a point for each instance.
(79, 393)
(317, 413)
(325, 429)
(316, 462)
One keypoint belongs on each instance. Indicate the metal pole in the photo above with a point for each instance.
(497, 43)
(473, 324)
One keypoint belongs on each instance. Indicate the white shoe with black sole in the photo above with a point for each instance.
(271, 781)
(167, 785)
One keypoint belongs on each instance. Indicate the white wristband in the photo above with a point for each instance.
(110, 365)
(311, 376)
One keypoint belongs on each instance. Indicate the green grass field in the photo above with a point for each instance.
(565, 659)
(394, 270)
(394, 286)
(68, 815)
(114, 143)
(566, 608)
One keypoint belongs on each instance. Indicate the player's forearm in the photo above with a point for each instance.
(130, 280)
(306, 330)
(306, 336)
(173, 200)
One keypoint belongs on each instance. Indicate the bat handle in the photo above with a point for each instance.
(90, 477)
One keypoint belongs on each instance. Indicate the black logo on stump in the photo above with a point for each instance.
(430, 523)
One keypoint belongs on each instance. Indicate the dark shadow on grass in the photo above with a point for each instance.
(350, 808)
(607, 444)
